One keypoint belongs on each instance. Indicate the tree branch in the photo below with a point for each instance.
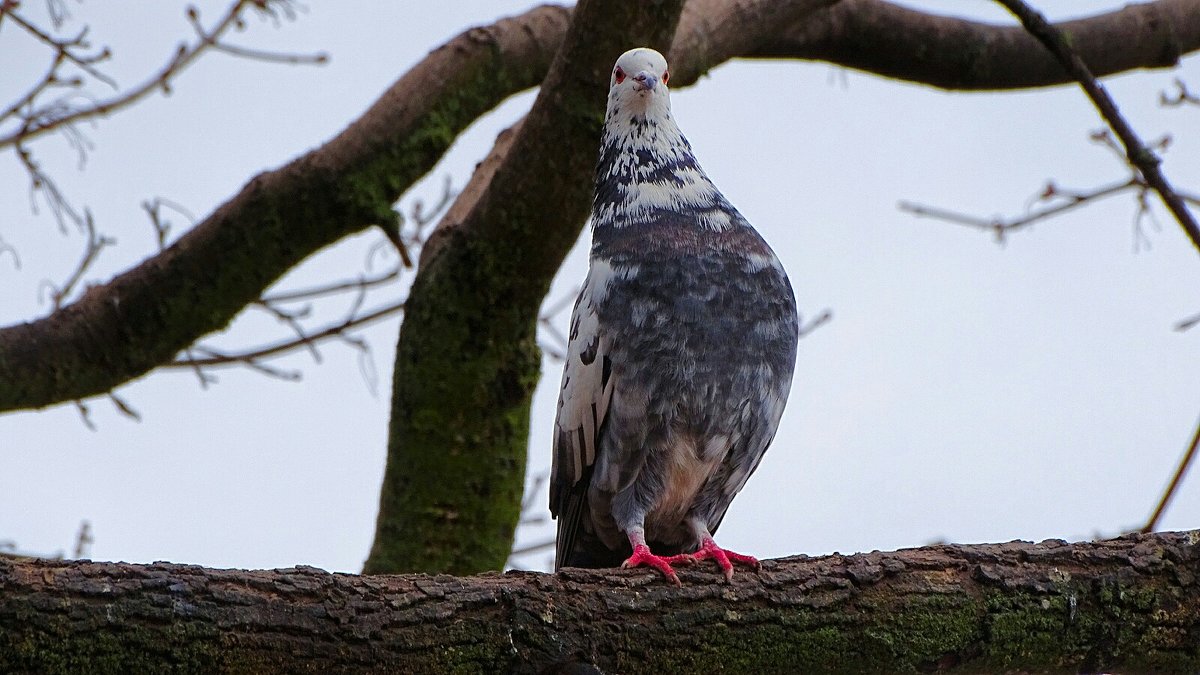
(957, 54)
(1124, 605)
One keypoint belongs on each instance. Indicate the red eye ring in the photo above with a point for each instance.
(619, 74)
(666, 76)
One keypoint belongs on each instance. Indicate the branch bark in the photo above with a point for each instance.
(1125, 604)
(956, 54)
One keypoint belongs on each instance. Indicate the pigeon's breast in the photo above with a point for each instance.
(707, 322)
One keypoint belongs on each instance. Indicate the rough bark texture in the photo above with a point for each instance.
(955, 54)
(1126, 605)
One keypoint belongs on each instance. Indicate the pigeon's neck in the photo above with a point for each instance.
(647, 175)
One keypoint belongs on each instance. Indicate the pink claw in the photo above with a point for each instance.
(724, 557)
(643, 557)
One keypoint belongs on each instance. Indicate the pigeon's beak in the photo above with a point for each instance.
(645, 80)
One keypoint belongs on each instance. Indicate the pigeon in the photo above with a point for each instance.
(680, 354)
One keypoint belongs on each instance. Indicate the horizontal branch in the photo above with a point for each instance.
(951, 53)
(1124, 605)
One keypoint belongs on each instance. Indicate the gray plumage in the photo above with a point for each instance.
(682, 344)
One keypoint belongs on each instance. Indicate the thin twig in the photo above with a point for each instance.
(39, 123)
(95, 244)
(85, 414)
(6, 247)
(1182, 96)
(64, 48)
(1140, 156)
(162, 226)
(124, 407)
(1184, 463)
(363, 282)
(823, 318)
(1002, 226)
(251, 357)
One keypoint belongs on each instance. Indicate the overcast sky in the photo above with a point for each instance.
(964, 390)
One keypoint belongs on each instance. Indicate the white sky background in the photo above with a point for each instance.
(964, 391)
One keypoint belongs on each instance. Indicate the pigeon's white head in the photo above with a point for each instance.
(639, 84)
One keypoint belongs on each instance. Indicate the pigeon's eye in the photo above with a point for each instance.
(619, 74)
(666, 76)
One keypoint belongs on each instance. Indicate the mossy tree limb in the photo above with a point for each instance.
(1125, 605)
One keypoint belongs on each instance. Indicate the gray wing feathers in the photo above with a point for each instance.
(583, 402)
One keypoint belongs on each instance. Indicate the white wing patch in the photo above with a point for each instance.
(585, 395)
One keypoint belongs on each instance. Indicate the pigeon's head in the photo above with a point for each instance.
(639, 83)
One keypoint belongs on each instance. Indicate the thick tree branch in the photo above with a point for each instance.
(1124, 605)
(957, 54)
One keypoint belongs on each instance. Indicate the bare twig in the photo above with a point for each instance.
(1182, 96)
(362, 283)
(1184, 463)
(38, 121)
(532, 513)
(6, 247)
(1136, 153)
(1188, 323)
(85, 414)
(556, 345)
(95, 244)
(41, 182)
(162, 226)
(1002, 226)
(124, 408)
(65, 49)
(292, 319)
(205, 378)
(823, 318)
(252, 357)
(83, 540)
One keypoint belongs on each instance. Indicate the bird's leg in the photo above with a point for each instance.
(709, 550)
(643, 557)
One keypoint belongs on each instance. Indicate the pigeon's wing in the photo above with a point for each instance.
(587, 388)
(763, 390)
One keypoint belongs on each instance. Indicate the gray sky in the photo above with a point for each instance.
(964, 391)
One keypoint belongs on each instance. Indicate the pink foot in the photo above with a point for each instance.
(643, 557)
(709, 550)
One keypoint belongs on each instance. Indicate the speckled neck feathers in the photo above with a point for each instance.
(647, 175)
